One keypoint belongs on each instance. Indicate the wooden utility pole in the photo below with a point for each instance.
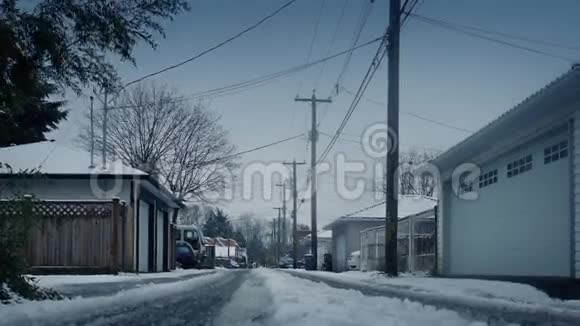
(92, 134)
(294, 212)
(391, 262)
(284, 234)
(105, 115)
(274, 241)
(278, 235)
(313, 138)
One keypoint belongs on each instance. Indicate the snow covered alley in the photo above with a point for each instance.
(261, 297)
(232, 297)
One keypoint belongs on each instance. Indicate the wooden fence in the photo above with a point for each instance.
(77, 235)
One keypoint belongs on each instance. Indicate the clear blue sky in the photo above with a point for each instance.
(446, 76)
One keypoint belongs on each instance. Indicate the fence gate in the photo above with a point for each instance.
(77, 235)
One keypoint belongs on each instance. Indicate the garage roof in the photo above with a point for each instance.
(408, 205)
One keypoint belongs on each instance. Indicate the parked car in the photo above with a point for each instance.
(327, 264)
(354, 260)
(185, 255)
(285, 262)
(193, 235)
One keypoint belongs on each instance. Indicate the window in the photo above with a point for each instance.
(488, 178)
(464, 185)
(520, 166)
(556, 152)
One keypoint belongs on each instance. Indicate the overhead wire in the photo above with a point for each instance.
(502, 34)
(363, 18)
(215, 47)
(466, 31)
(375, 63)
(258, 81)
(418, 116)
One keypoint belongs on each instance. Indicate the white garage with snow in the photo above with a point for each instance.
(510, 192)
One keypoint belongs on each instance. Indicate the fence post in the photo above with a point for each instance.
(411, 255)
(116, 218)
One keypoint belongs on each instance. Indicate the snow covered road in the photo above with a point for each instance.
(234, 297)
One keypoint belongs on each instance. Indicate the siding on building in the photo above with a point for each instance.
(576, 191)
(527, 216)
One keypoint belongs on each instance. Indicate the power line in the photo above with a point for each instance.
(260, 22)
(375, 63)
(363, 17)
(314, 36)
(459, 29)
(257, 81)
(333, 39)
(254, 149)
(418, 116)
(492, 32)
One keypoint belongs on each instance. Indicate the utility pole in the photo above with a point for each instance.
(391, 263)
(284, 234)
(313, 138)
(278, 251)
(274, 241)
(92, 135)
(294, 211)
(105, 113)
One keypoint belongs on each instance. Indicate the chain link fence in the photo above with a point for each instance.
(415, 256)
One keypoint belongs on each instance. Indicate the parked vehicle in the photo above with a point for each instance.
(185, 255)
(285, 262)
(327, 264)
(309, 262)
(193, 235)
(354, 260)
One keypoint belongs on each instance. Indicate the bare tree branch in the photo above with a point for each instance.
(181, 144)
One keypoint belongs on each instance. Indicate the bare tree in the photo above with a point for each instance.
(410, 182)
(193, 215)
(153, 129)
(199, 157)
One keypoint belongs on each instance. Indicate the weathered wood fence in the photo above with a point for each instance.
(84, 236)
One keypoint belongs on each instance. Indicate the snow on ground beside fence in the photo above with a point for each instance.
(472, 288)
(55, 281)
(68, 310)
(302, 302)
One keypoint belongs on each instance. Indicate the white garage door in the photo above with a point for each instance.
(519, 225)
(143, 236)
(159, 241)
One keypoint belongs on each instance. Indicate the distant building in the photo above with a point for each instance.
(520, 214)
(324, 246)
(346, 230)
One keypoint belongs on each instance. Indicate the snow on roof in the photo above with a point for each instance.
(407, 205)
(325, 234)
(51, 157)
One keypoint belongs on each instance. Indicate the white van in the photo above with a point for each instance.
(354, 261)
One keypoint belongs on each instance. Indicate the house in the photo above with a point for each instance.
(516, 211)
(140, 235)
(346, 230)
